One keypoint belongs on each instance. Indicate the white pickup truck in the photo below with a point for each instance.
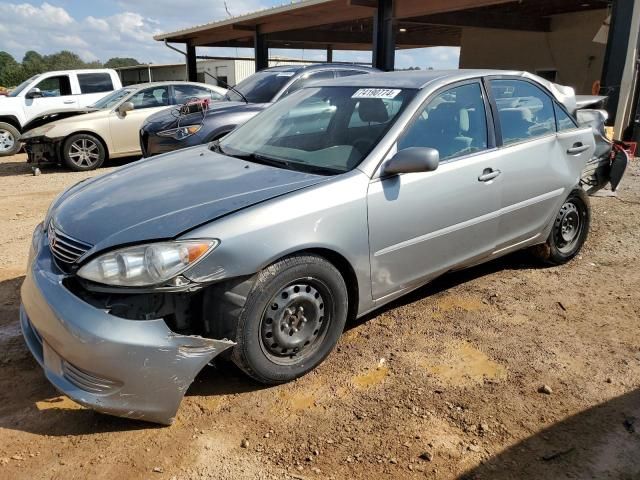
(61, 90)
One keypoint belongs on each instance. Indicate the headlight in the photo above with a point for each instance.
(181, 133)
(146, 265)
(37, 132)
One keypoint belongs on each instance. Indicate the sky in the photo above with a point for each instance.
(101, 29)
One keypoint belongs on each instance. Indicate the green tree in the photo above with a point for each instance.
(13, 75)
(117, 62)
(6, 62)
(63, 60)
(33, 63)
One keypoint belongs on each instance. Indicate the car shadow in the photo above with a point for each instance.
(520, 260)
(597, 443)
(21, 168)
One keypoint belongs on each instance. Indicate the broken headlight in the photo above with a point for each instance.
(146, 265)
(181, 133)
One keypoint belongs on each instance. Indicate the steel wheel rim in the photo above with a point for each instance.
(568, 227)
(7, 140)
(295, 321)
(84, 152)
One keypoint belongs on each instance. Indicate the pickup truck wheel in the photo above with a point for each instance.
(569, 232)
(83, 152)
(9, 139)
(291, 320)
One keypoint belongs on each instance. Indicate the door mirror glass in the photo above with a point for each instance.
(125, 107)
(34, 93)
(413, 160)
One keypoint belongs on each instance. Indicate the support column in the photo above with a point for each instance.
(329, 54)
(261, 51)
(192, 68)
(384, 36)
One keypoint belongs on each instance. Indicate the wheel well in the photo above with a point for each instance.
(85, 132)
(11, 121)
(347, 272)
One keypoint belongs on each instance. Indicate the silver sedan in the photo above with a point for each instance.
(327, 205)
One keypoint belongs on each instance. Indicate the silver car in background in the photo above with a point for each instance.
(327, 205)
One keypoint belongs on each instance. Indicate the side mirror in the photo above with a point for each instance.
(412, 160)
(125, 107)
(34, 93)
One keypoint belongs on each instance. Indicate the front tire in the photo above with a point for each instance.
(9, 139)
(569, 232)
(82, 152)
(293, 317)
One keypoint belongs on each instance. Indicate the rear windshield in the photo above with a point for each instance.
(260, 87)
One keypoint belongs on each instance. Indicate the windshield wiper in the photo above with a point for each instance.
(215, 146)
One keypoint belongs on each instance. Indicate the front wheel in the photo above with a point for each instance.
(569, 232)
(9, 139)
(293, 317)
(82, 152)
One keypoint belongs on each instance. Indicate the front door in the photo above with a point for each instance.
(56, 94)
(125, 128)
(423, 224)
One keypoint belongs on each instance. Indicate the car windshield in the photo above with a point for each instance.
(325, 130)
(22, 86)
(113, 98)
(260, 87)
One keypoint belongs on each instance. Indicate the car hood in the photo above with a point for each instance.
(164, 196)
(166, 119)
(57, 115)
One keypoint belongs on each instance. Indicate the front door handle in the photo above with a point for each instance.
(488, 174)
(69, 102)
(577, 148)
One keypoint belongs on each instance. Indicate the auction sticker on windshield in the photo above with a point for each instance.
(376, 93)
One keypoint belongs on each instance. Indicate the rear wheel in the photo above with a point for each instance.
(83, 152)
(9, 139)
(293, 317)
(569, 232)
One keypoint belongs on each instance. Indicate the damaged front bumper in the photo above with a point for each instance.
(42, 150)
(137, 369)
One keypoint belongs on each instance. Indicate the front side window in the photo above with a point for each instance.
(563, 119)
(55, 86)
(150, 98)
(185, 93)
(454, 123)
(525, 111)
(95, 82)
(349, 73)
(311, 130)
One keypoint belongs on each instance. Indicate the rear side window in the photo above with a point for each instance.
(454, 123)
(184, 93)
(525, 111)
(563, 119)
(95, 82)
(55, 86)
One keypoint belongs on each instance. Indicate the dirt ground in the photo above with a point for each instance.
(442, 384)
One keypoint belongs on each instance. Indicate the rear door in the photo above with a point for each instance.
(93, 86)
(125, 128)
(534, 162)
(423, 224)
(56, 93)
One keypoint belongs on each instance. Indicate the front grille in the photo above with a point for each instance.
(65, 250)
(88, 381)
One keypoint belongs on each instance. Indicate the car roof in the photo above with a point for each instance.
(138, 86)
(316, 66)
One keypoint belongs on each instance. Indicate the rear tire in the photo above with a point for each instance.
(291, 320)
(83, 152)
(9, 140)
(569, 232)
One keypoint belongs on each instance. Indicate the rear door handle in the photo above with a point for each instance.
(488, 174)
(68, 102)
(577, 149)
